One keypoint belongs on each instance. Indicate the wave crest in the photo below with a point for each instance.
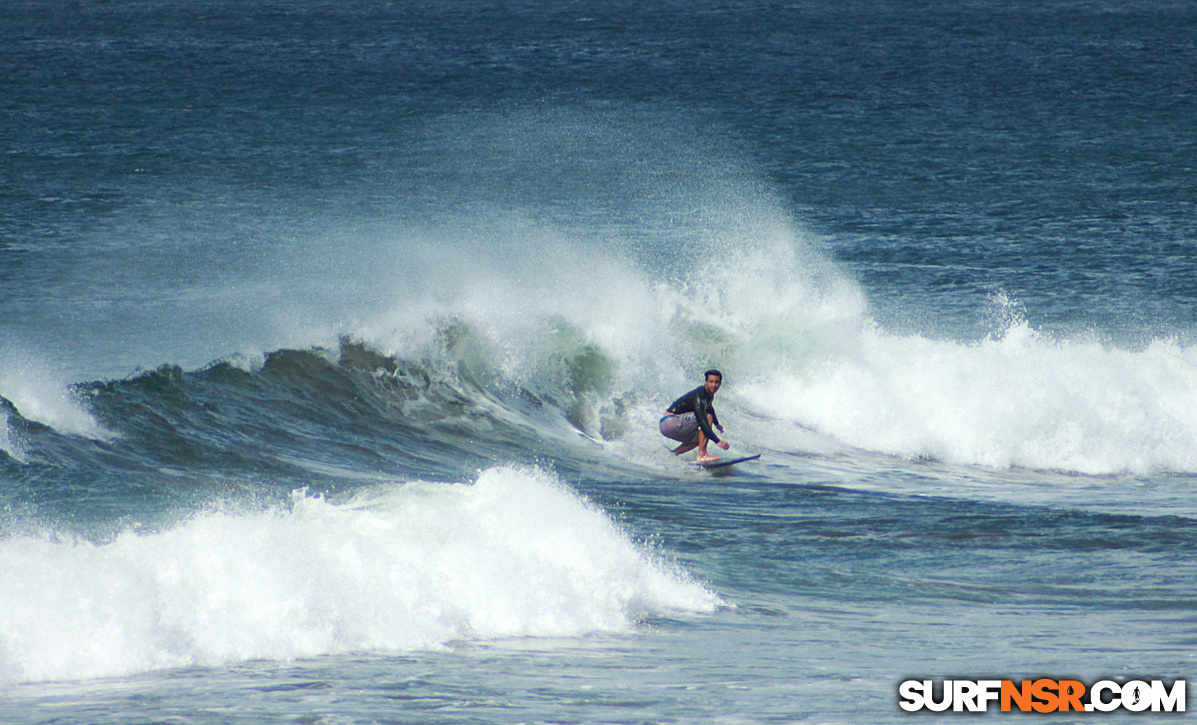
(397, 568)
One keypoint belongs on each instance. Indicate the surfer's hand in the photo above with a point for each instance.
(724, 445)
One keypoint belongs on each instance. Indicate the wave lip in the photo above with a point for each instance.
(401, 568)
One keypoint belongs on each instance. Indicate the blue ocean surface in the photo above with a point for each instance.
(334, 335)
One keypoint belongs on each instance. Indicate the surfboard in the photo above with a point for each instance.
(724, 462)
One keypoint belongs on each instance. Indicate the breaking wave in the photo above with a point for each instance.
(397, 567)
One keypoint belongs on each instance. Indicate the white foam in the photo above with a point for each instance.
(405, 567)
(1021, 400)
(248, 361)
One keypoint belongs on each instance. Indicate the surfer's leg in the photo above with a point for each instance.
(685, 448)
(702, 442)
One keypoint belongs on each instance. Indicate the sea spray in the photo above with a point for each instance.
(39, 395)
(8, 446)
(397, 568)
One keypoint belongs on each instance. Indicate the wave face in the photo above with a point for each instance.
(395, 567)
(505, 362)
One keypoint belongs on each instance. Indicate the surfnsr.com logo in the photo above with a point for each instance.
(1043, 695)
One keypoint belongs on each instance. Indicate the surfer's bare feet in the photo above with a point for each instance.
(707, 459)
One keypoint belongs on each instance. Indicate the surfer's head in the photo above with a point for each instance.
(714, 379)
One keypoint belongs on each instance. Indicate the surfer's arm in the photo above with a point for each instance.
(701, 412)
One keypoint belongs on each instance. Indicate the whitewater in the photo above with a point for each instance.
(406, 568)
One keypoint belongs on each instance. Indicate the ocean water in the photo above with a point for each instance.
(334, 334)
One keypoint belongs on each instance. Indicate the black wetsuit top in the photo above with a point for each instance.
(698, 402)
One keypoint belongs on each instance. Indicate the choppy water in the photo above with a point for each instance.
(333, 338)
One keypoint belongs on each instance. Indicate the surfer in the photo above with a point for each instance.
(691, 417)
